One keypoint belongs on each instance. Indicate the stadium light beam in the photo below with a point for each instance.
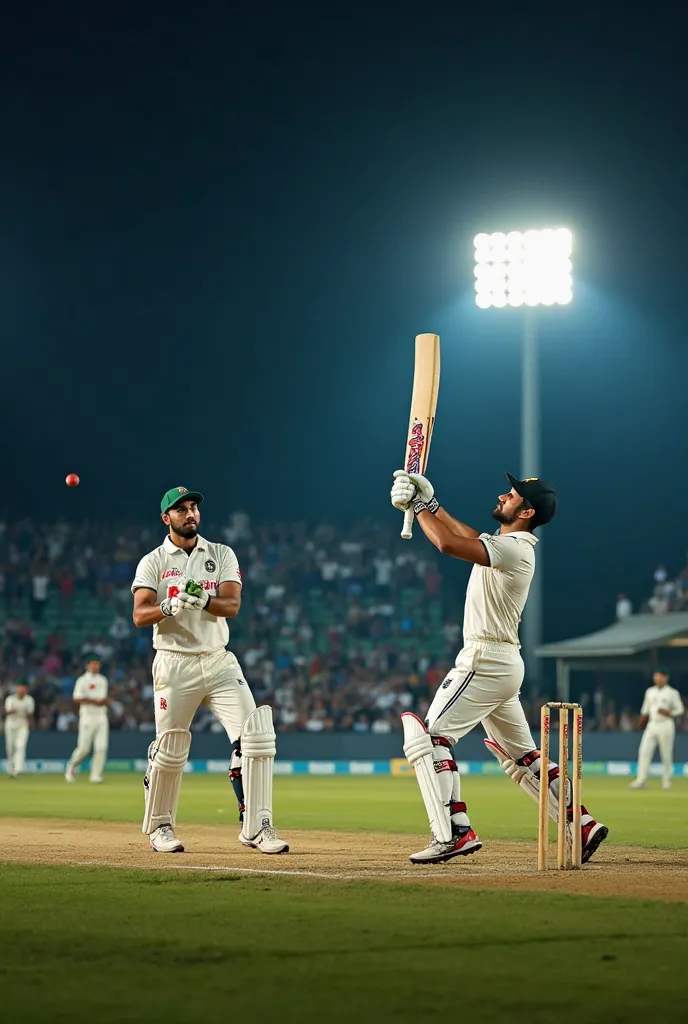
(526, 269)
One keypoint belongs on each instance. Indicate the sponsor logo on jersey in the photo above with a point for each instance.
(415, 448)
(171, 572)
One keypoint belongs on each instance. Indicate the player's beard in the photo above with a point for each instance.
(506, 518)
(186, 531)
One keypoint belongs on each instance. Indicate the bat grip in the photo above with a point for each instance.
(407, 528)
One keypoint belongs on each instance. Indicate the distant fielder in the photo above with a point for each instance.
(485, 683)
(91, 697)
(19, 712)
(662, 705)
(187, 589)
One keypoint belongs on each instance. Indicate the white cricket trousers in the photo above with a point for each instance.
(182, 682)
(16, 738)
(660, 734)
(483, 686)
(92, 735)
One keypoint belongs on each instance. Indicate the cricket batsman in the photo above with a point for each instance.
(186, 589)
(485, 684)
(19, 712)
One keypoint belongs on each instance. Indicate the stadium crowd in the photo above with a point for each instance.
(338, 631)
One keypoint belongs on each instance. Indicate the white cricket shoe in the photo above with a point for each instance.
(267, 841)
(666, 784)
(437, 852)
(637, 784)
(95, 780)
(163, 840)
(69, 775)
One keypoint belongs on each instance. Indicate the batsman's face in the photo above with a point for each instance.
(183, 519)
(509, 507)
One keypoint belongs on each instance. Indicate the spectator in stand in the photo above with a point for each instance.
(40, 581)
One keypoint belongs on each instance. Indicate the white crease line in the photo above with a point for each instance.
(420, 876)
(249, 871)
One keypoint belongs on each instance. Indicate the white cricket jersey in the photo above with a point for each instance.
(497, 593)
(658, 698)
(166, 570)
(23, 708)
(91, 686)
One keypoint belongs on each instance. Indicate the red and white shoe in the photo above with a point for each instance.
(437, 852)
(594, 833)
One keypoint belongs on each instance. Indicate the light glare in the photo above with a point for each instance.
(532, 267)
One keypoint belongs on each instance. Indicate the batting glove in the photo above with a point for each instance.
(403, 491)
(424, 493)
(171, 606)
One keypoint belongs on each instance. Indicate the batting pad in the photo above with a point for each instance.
(258, 755)
(166, 760)
(525, 778)
(418, 750)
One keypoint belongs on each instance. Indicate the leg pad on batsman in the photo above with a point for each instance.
(258, 751)
(167, 757)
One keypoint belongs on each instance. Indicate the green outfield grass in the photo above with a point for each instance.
(650, 817)
(111, 945)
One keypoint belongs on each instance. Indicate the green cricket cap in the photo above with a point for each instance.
(176, 494)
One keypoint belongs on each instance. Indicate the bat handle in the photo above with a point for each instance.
(407, 528)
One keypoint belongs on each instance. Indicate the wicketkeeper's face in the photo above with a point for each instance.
(183, 518)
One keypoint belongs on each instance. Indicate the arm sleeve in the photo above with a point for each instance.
(79, 689)
(678, 708)
(229, 568)
(146, 575)
(645, 709)
(32, 705)
(8, 702)
(504, 553)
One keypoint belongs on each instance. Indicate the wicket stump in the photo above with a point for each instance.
(569, 848)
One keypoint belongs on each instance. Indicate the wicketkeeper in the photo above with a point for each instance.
(187, 589)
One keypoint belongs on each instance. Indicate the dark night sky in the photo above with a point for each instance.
(221, 228)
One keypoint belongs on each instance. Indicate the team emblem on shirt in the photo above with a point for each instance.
(210, 565)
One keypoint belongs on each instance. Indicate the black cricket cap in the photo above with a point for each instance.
(537, 493)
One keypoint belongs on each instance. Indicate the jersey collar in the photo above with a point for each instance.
(523, 535)
(172, 549)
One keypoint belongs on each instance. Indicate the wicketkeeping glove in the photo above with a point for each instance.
(194, 597)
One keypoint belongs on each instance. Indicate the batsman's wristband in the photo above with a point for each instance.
(422, 506)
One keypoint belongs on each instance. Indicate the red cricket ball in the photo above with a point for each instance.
(72, 480)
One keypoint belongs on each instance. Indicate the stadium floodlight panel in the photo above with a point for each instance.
(524, 267)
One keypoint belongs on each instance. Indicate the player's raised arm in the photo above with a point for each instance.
(449, 535)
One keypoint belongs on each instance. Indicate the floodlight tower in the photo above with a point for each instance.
(526, 269)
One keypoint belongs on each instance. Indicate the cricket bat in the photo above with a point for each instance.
(426, 385)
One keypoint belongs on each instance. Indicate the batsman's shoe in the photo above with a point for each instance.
(594, 833)
(163, 840)
(69, 775)
(437, 852)
(267, 841)
(637, 784)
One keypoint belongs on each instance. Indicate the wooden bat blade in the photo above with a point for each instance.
(426, 384)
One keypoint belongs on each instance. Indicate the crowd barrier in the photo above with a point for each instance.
(395, 766)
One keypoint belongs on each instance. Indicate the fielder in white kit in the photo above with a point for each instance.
(485, 683)
(19, 712)
(91, 697)
(661, 706)
(192, 667)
